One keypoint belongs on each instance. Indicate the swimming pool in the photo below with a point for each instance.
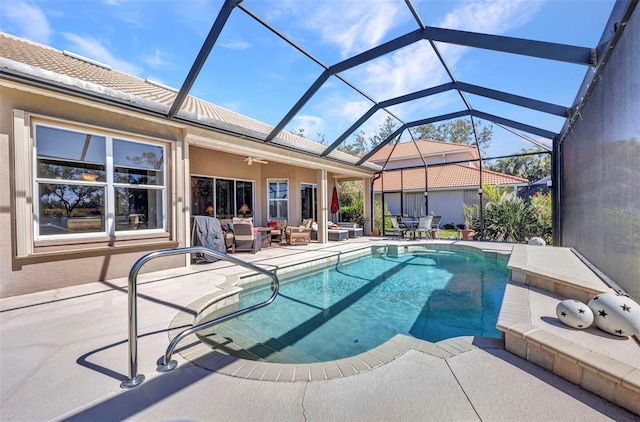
(346, 309)
(353, 306)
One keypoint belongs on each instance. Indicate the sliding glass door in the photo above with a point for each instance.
(308, 199)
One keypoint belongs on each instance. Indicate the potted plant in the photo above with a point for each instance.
(470, 213)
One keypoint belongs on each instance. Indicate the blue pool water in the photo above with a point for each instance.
(347, 309)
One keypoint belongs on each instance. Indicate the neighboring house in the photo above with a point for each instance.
(95, 175)
(453, 178)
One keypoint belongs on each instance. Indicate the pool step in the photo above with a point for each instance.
(238, 339)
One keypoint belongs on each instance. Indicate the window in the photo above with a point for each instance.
(91, 183)
(278, 199)
(221, 198)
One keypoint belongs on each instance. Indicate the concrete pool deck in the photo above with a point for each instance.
(63, 354)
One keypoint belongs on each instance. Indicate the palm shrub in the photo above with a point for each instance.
(508, 220)
(494, 193)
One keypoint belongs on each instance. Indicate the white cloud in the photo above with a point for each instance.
(93, 49)
(416, 66)
(235, 45)
(354, 26)
(491, 16)
(29, 21)
(157, 60)
(312, 125)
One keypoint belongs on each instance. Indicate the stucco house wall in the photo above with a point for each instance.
(60, 264)
(29, 265)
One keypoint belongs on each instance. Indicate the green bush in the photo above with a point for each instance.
(509, 220)
(377, 216)
(353, 214)
(540, 205)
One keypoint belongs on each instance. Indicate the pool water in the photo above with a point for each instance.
(350, 308)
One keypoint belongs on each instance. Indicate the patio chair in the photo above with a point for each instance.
(424, 225)
(299, 235)
(247, 237)
(278, 228)
(435, 226)
(207, 232)
(398, 232)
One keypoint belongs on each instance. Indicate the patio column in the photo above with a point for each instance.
(323, 205)
(366, 212)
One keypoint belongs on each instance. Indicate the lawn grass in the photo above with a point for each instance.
(446, 234)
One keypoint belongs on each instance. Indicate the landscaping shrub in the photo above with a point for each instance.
(540, 205)
(509, 220)
(353, 214)
(377, 216)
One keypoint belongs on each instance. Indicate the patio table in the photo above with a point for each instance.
(265, 232)
(410, 223)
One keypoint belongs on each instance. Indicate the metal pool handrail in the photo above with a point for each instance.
(168, 364)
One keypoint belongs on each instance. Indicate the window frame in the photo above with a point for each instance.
(213, 194)
(286, 200)
(26, 194)
(109, 185)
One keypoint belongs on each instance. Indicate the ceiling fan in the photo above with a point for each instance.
(251, 160)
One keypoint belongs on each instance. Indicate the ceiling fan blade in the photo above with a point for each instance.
(251, 160)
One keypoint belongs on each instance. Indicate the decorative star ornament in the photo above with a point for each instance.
(625, 307)
(563, 313)
(581, 310)
(603, 314)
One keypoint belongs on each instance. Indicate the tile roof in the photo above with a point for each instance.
(23, 57)
(424, 146)
(442, 177)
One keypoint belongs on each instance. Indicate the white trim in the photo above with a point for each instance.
(23, 165)
(26, 184)
(288, 199)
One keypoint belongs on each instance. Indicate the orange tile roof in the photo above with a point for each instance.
(425, 147)
(441, 177)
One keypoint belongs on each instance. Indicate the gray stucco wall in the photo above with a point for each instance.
(600, 164)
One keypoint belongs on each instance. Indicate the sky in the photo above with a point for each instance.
(253, 72)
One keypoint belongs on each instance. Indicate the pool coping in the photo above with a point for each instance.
(205, 357)
(603, 375)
